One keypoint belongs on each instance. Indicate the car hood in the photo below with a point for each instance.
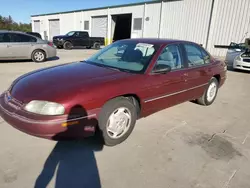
(61, 81)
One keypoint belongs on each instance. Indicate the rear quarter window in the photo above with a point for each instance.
(196, 56)
(22, 38)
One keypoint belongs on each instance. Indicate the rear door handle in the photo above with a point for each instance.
(8, 46)
(185, 74)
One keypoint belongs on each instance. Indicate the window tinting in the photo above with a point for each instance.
(138, 24)
(86, 25)
(83, 34)
(21, 38)
(1, 37)
(194, 55)
(171, 56)
(206, 56)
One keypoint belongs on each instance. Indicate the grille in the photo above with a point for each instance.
(246, 67)
(246, 60)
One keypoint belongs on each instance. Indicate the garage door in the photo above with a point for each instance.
(37, 26)
(54, 28)
(99, 26)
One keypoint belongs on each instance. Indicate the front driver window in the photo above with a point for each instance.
(171, 56)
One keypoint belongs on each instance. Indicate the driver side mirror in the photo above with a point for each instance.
(161, 69)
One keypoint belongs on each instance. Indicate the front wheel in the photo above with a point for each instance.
(67, 45)
(117, 120)
(210, 93)
(97, 46)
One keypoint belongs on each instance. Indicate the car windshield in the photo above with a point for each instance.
(241, 46)
(70, 33)
(129, 56)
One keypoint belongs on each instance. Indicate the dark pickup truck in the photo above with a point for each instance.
(77, 38)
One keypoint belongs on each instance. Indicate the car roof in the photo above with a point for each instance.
(156, 40)
(11, 31)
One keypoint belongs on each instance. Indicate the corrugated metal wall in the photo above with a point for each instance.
(230, 22)
(67, 23)
(181, 19)
(186, 20)
(78, 21)
(151, 27)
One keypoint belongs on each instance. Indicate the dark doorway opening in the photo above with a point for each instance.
(121, 26)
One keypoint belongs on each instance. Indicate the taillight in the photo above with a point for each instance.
(50, 44)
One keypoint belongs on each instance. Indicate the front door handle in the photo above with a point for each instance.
(185, 74)
(8, 46)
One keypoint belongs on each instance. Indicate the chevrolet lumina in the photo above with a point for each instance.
(121, 83)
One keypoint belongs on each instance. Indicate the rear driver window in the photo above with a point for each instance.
(22, 38)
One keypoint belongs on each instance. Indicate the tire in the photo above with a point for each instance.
(126, 120)
(210, 94)
(97, 45)
(38, 56)
(89, 47)
(67, 45)
(60, 47)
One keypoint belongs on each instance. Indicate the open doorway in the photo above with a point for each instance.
(121, 26)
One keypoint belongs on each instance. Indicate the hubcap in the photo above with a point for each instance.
(39, 56)
(212, 89)
(118, 123)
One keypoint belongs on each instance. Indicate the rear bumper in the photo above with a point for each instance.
(54, 128)
(51, 52)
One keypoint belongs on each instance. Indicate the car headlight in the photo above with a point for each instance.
(45, 108)
(238, 58)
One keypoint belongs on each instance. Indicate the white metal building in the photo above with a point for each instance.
(207, 22)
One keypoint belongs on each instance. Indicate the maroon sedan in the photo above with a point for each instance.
(121, 83)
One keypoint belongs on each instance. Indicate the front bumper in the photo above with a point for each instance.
(58, 42)
(241, 65)
(50, 127)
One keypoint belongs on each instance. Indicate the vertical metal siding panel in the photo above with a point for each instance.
(78, 21)
(187, 20)
(229, 23)
(151, 26)
(67, 21)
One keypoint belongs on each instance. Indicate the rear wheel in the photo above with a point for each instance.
(67, 45)
(97, 45)
(117, 120)
(38, 56)
(210, 93)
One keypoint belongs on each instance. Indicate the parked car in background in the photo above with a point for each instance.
(234, 49)
(19, 45)
(35, 34)
(109, 92)
(238, 56)
(77, 39)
